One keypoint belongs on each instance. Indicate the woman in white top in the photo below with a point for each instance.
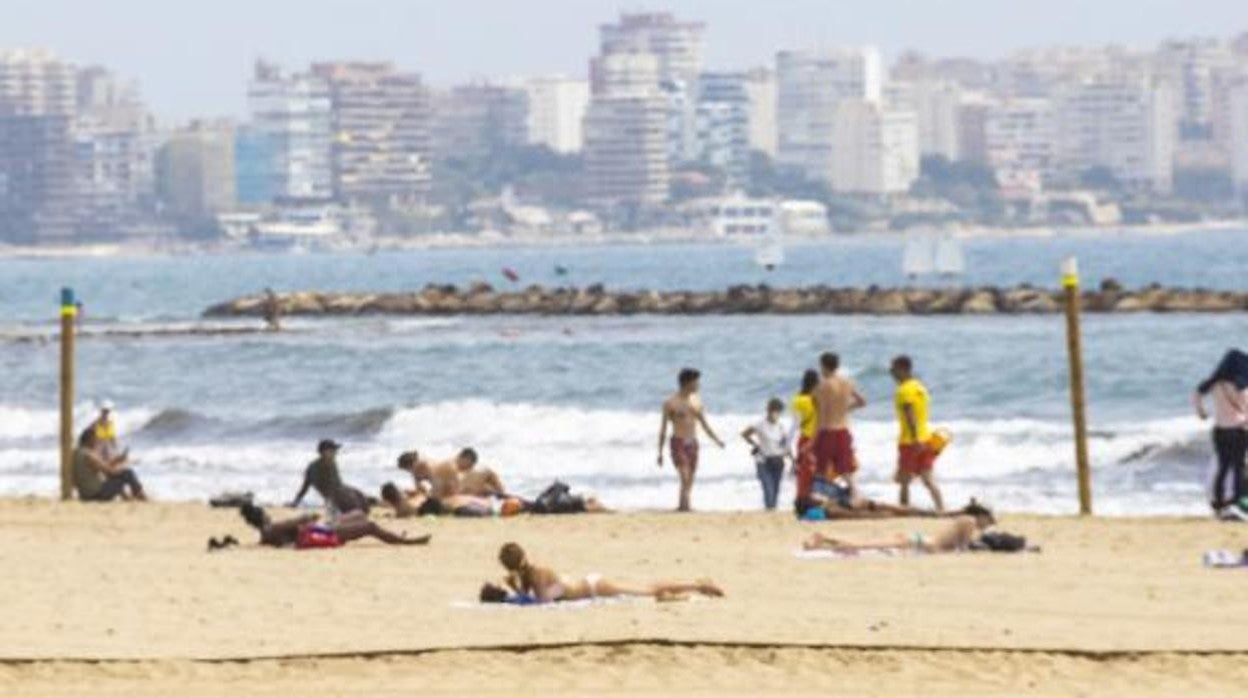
(769, 443)
(1226, 389)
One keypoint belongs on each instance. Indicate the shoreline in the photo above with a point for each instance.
(472, 241)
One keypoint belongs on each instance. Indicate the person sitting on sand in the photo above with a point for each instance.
(323, 476)
(957, 536)
(838, 501)
(100, 478)
(305, 531)
(544, 585)
(478, 481)
(438, 480)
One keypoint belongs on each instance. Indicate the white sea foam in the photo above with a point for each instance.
(1017, 463)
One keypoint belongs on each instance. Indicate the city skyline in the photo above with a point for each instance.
(199, 61)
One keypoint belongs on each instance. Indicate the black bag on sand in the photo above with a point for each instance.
(558, 499)
(1000, 542)
(231, 500)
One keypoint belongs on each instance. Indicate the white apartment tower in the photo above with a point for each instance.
(875, 148)
(557, 107)
(677, 47)
(1019, 143)
(937, 105)
(626, 132)
(1190, 67)
(1128, 125)
(809, 86)
(1238, 136)
(294, 114)
(760, 91)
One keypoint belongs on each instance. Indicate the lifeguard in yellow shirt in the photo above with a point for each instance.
(915, 454)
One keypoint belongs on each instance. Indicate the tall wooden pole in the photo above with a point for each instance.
(1074, 349)
(69, 312)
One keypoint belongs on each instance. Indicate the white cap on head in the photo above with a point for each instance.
(106, 405)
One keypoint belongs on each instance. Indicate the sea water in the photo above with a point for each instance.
(578, 398)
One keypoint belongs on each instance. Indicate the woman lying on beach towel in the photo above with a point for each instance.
(304, 532)
(543, 585)
(961, 533)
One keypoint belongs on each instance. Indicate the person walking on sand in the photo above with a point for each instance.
(805, 422)
(835, 397)
(685, 412)
(915, 456)
(1228, 388)
(769, 444)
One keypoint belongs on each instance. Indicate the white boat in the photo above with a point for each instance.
(949, 259)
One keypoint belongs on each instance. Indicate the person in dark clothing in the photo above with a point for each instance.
(322, 475)
(305, 532)
(1227, 388)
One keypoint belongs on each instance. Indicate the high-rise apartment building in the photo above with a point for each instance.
(1128, 126)
(1237, 136)
(627, 158)
(678, 48)
(113, 143)
(760, 92)
(723, 124)
(1190, 66)
(381, 134)
(937, 106)
(556, 116)
(875, 148)
(1020, 143)
(38, 201)
(809, 86)
(195, 171)
(470, 121)
(291, 133)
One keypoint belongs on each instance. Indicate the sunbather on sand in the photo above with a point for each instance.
(304, 531)
(545, 586)
(421, 504)
(838, 501)
(961, 532)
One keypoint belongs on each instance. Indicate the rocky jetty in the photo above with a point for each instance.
(482, 299)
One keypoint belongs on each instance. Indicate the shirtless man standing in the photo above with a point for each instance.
(835, 397)
(684, 410)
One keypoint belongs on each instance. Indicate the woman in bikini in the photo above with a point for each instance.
(544, 585)
(304, 531)
(963, 530)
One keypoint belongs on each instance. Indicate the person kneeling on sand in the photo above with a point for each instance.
(478, 481)
(101, 478)
(305, 531)
(959, 535)
(544, 585)
(323, 476)
(436, 479)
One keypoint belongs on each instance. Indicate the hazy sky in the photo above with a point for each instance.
(193, 56)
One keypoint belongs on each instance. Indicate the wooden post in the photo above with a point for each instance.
(1074, 348)
(69, 311)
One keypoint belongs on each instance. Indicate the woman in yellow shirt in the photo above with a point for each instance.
(805, 424)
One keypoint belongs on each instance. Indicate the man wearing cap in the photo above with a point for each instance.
(323, 476)
(105, 431)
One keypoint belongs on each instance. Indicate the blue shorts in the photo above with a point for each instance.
(833, 492)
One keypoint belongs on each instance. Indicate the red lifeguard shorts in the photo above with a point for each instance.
(684, 453)
(805, 466)
(834, 452)
(915, 459)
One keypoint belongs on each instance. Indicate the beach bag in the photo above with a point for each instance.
(314, 537)
(558, 499)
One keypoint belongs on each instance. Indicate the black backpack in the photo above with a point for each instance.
(558, 499)
(1001, 542)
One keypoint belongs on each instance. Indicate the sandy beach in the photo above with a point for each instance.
(123, 599)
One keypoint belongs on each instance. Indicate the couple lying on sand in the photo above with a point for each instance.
(527, 583)
(457, 487)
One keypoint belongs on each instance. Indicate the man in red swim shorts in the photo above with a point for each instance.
(835, 397)
(685, 412)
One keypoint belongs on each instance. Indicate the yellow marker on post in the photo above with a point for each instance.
(1074, 349)
(69, 311)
